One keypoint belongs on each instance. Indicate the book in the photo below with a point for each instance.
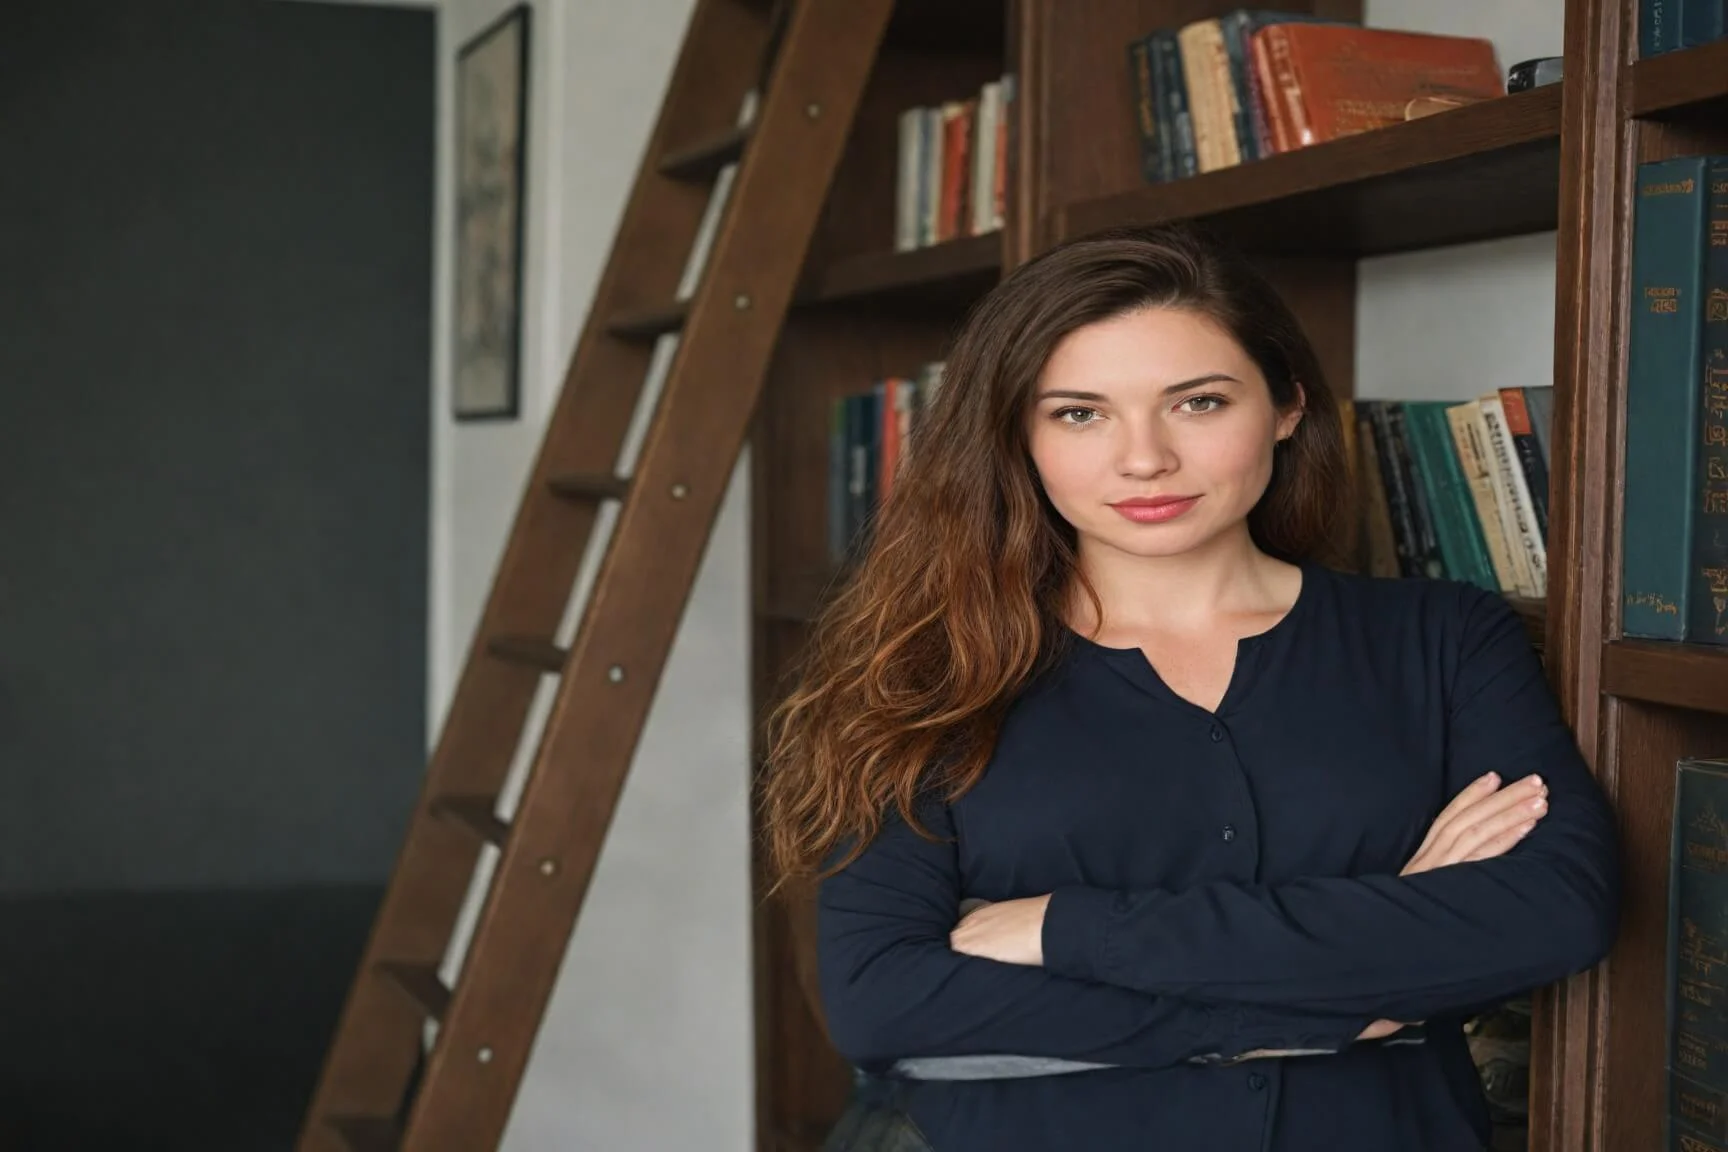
(1664, 365)
(1696, 1118)
(1321, 82)
(1707, 595)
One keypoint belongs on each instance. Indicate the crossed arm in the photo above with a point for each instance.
(1151, 978)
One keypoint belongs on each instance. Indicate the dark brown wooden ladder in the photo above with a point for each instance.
(382, 1088)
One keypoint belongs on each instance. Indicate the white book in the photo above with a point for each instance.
(1528, 535)
(930, 187)
(907, 177)
(984, 158)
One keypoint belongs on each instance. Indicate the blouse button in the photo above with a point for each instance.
(1217, 734)
(1256, 1081)
(1229, 833)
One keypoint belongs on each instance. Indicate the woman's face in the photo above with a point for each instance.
(1153, 432)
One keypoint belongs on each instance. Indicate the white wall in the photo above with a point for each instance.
(647, 1042)
(1457, 322)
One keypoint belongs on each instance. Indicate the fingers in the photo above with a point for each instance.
(1504, 827)
(1493, 824)
(1500, 844)
(1473, 793)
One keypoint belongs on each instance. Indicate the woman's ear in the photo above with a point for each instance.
(1292, 416)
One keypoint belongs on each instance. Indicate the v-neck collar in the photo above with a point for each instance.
(1245, 674)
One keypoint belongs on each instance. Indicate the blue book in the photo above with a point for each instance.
(1708, 621)
(1697, 1052)
(1664, 370)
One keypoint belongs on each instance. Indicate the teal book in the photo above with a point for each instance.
(1663, 373)
(1697, 959)
(1708, 622)
(1463, 548)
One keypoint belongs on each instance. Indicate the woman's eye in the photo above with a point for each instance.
(1210, 403)
(1075, 415)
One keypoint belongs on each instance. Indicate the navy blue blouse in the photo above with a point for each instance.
(1224, 882)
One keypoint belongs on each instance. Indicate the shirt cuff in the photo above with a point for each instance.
(1076, 932)
(1294, 1034)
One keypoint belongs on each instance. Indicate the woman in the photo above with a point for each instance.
(1240, 840)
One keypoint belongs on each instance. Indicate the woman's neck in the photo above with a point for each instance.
(1196, 591)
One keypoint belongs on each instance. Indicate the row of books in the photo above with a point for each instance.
(868, 433)
(1674, 535)
(1456, 490)
(1251, 83)
(952, 176)
(1665, 25)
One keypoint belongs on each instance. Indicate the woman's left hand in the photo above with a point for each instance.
(1011, 932)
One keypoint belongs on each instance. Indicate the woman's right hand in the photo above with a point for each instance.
(1483, 821)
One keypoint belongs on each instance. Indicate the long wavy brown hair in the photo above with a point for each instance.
(956, 603)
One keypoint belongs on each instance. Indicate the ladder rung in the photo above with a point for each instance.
(530, 650)
(703, 161)
(367, 1133)
(477, 814)
(590, 486)
(420, 981)
(649, 323)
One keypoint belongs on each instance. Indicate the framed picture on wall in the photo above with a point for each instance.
(491, 138)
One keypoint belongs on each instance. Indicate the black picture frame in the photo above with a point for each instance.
(491, 145)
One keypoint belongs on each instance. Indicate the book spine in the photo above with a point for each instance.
(1145, 110)
(1284, 94)
(1701, 21)
(839, 477)
(1461, 543)
(1664, 366)
(909, 178)
(1421, 510)
(1236, 25)
(1523, 433)
(984, 144)
(1539, 400)
(1658, 27)
(1707, 622)
(1184, 155)
(1696, 1003)
(1381, 542)
(1504, 458)
(1467, 436)
(1405, 534)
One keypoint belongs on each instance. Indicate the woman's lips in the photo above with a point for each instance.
(1156, 510)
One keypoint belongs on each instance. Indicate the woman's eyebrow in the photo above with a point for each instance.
(1182, 386)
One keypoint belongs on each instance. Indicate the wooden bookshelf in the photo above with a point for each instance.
(1558, 159)
(1689, 82)
(1475, 173)
(1691, 676)
(949, 275)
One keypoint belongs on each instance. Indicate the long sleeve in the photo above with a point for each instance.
(893, 988)
(1405, 948)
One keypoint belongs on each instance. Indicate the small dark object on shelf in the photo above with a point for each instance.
(1527, 74)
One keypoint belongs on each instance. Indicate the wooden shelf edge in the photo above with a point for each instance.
(886, 273)
(1398, 151)
(1691, 676)
(1680, 81)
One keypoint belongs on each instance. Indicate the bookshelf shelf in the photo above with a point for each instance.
(1682, 83)
(1691, 676)
(953, 273)
(1475, 173)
